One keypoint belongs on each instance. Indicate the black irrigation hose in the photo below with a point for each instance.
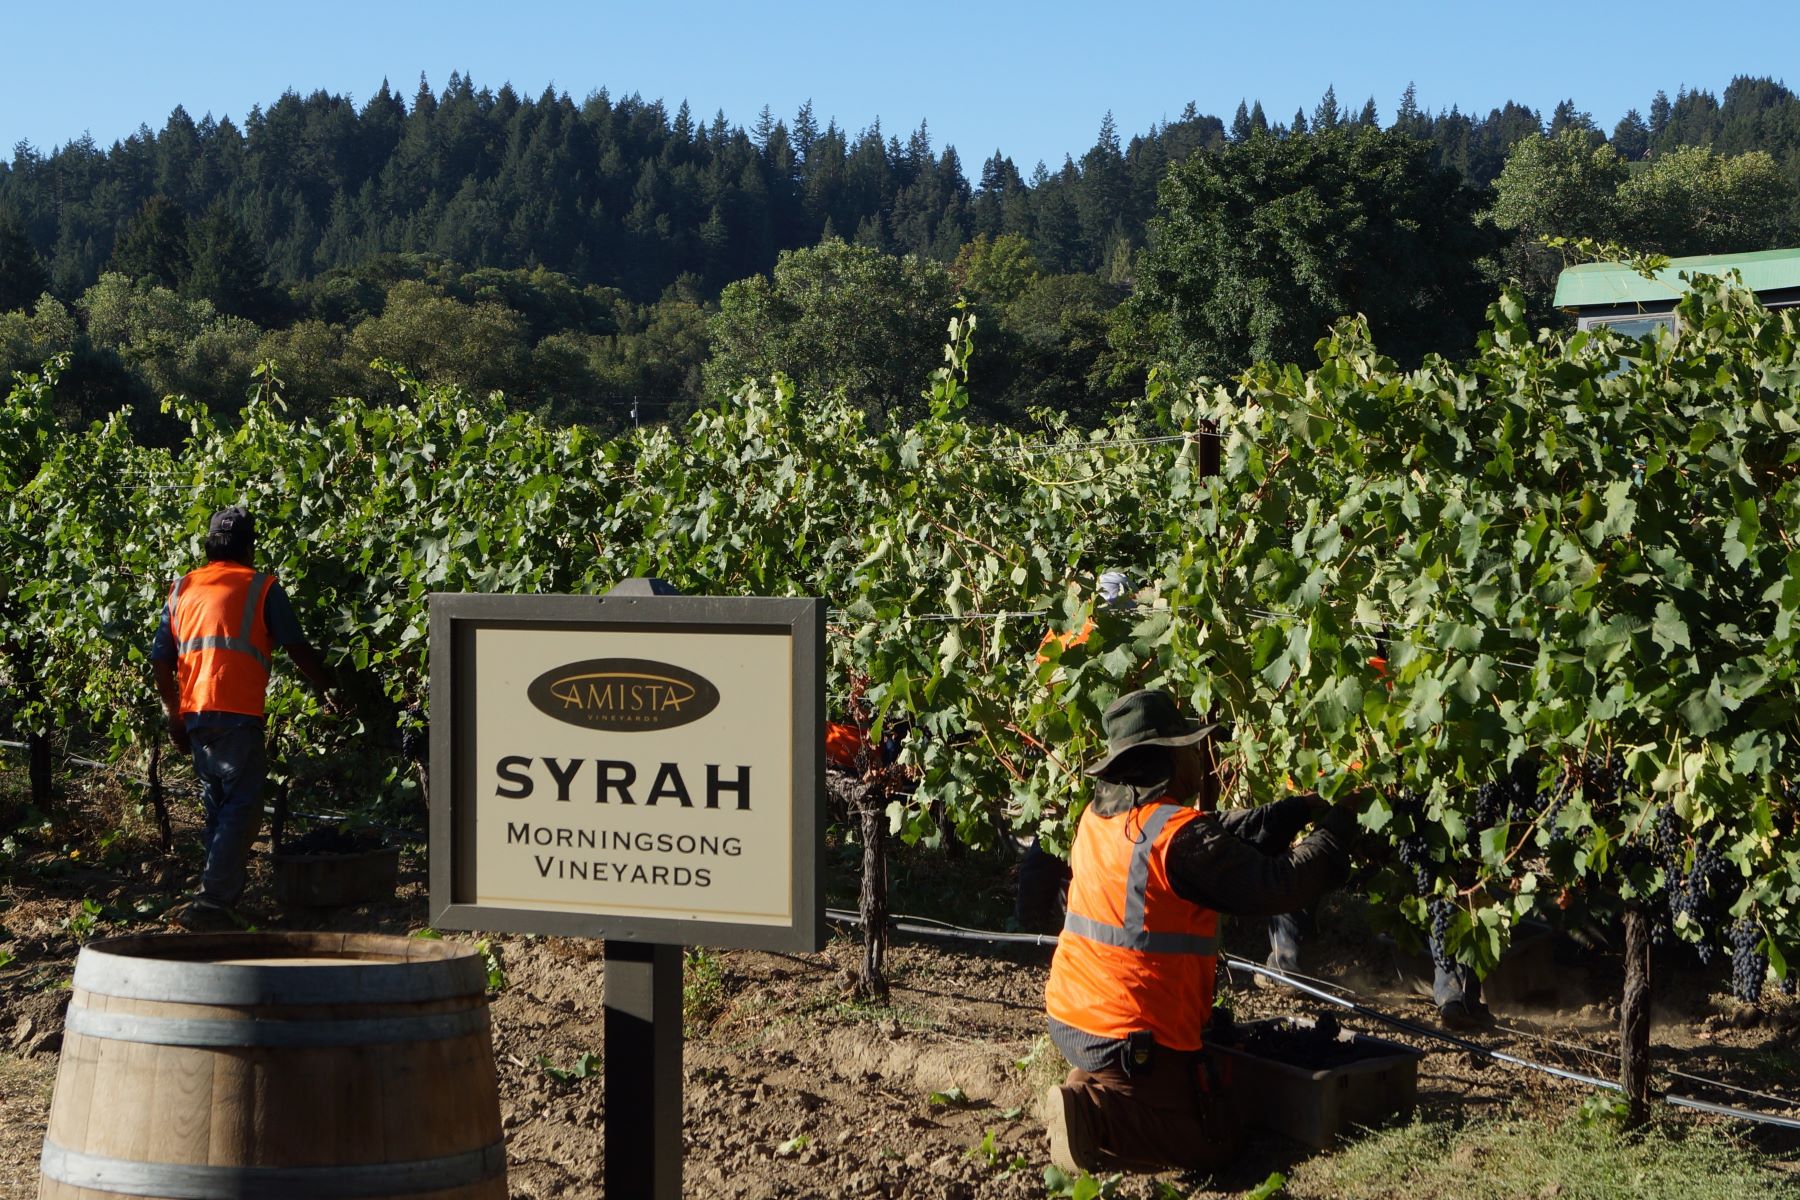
(957, 933)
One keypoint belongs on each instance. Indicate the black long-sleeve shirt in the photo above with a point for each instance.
(1242, 862)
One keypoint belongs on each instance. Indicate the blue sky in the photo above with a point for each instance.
(1032, 79)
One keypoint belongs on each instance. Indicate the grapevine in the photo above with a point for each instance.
(1567, 555)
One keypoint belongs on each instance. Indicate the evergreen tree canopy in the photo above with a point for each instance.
(154, 245)
(22, 275)
(227, 267)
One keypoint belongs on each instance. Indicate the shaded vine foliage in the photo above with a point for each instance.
(1537, 610)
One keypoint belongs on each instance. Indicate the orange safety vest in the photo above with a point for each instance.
(1074, 637)
(845, 745)
(1133, 955)
(222, 642)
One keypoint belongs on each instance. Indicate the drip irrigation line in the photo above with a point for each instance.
(942, 929)
(1613, 1056)
(930, 928)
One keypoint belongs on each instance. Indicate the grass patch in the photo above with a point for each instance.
(1041, 1066)
(703, 994)
(1507, 1158)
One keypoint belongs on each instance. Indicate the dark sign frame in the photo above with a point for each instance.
(454, 619)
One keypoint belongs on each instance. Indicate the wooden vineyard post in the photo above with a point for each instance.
(37, 742)
(871, 978)
(1208, 433)
(641, 1029)
(159, 802)
(39, 768)
(1634, 1016)
(278, 818)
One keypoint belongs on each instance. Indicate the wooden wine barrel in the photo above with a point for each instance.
(275, 1066)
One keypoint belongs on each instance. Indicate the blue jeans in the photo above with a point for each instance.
(232, 766)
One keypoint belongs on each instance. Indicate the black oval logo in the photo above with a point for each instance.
(623, 695)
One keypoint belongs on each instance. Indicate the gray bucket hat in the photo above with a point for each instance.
(1145, 718)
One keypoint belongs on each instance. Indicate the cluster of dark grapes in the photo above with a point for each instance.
(415, 735)
(1413, 850)
(1701, 897)
(1490, 804)
(1670, 846)
(1523, 794)
(1441, 911)
(1600, 777)
(1511, 797)
(1415, 856)
(1557, 835)
(1748, 963)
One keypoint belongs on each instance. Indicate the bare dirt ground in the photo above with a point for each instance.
(793, 1091)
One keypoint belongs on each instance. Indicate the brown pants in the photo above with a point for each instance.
(1172, 1117)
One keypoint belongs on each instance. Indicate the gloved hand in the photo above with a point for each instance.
(1340, 818)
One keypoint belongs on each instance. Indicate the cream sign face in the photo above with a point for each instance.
(634, 773)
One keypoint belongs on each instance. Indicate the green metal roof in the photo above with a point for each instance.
(1594, 285)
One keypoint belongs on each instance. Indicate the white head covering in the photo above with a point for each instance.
(1114, 587)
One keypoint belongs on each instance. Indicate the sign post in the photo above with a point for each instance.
(639, 767)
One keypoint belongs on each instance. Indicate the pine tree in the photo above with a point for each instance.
(1109, 135)
(154, 245)
(1259, 123)
(1299, 121)
(22, 275)
(1631, 137)
(1368, 118)
(1240, 123)
(806, 130)
(1659, 113)
(1567, 116)
(1408, 113)
(227, 267)
(1327, 115)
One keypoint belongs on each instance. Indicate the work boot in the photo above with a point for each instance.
(1465, 1016)
(202, 915)
(1071, 1140)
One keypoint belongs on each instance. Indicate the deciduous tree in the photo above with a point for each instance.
(835, 318)
(1260, 247)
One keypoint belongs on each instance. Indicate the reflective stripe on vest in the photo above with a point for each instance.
(1132, 935)
(1136, 956)
(223, 645)
(259, 584)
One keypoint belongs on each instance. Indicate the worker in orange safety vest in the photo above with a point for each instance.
(211, 657)
(1131, 985)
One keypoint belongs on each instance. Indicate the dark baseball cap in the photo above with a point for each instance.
(231, 526)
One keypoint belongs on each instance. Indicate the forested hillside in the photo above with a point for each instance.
(583, 257)
(626, 194)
